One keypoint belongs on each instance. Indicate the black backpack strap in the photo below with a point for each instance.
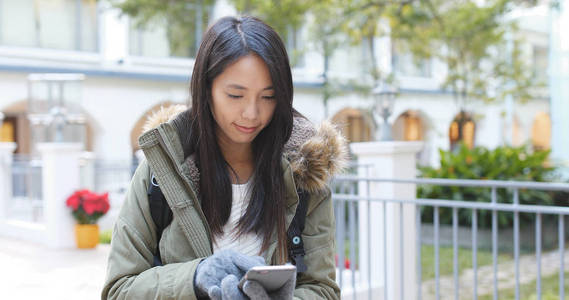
(161, 214)
(295, 244)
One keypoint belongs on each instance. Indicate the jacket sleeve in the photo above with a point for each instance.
(319, 282)
(130, 274)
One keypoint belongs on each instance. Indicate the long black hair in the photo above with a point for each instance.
(224, 42)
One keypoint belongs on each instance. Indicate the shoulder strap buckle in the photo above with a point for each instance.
(299, 262)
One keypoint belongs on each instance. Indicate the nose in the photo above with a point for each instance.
(251, 110)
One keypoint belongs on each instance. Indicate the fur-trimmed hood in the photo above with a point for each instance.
(315, 153)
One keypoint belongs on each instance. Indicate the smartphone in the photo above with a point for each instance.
(271, 278)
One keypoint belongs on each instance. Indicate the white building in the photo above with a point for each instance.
(130, 72)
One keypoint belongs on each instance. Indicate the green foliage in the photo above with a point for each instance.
(286, 17)
(281, 15)
(475, 41)
(83, 218)
(502, 163)
(105, 236)
(177, 16)
(469, 38)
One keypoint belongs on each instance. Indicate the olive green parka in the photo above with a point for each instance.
(310, 158)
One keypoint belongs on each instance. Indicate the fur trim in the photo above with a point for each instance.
(162, 115)
(315, 154)
(194, 173)
(319, 158)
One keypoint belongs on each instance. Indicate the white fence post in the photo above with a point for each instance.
(61, 176)
(388, 160)
(6, 155)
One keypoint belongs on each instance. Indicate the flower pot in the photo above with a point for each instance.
(86, 235)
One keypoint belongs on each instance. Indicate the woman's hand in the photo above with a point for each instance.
(256, 291)
(213, 271)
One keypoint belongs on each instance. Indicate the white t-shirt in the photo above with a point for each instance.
(249, 243)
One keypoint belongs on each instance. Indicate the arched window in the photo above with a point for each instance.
(541, 132)
(408, 127)
(7, 131)
(462, 129)
(355, 124)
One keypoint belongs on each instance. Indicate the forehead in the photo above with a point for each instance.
(249, 71)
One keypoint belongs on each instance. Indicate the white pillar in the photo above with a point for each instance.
(394, 160)
(6, 154)
(87, 169)
(559, 84)
(60, 178)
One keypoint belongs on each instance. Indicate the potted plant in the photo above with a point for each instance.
(87, 207)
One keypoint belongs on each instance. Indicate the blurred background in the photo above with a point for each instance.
(486, 73)
(481, 86)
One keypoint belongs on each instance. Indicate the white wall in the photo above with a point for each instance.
(14, 88)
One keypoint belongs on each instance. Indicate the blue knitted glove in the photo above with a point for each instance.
(212, 270)
(256, 291)
(230, 289)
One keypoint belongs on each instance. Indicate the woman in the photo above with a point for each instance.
(230, 168)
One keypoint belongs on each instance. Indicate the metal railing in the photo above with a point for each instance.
(346, 194)
(26, 201)
(112, 176)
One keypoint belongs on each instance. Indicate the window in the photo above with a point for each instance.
(354, 125)
(162, 38)
(541, 132)
(53, 24)
(7, 130)
(405, 64)
(413, 128)
(408, 127)
(540, 63)
(150, 42)
(462, 130)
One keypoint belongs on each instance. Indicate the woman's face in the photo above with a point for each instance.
(243, 101)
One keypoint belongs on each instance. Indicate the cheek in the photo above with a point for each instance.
(216, 107)
(269, 111)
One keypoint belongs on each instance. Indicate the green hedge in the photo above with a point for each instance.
(502, 163)
(105, 236)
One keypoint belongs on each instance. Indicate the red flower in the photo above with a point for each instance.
(73, 201)
(87, 206)
(90, 203)
(105, 206)
(95, 203)
(82, 192)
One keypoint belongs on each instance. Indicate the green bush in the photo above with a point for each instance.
(105, 236)
(502, 163)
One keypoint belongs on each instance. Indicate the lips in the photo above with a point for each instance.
(245, 129)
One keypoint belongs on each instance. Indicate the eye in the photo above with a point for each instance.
(234, 96)
(269, 97)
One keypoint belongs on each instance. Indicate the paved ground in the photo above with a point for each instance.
(33, 271)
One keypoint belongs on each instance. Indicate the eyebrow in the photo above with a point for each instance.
(240, 87)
